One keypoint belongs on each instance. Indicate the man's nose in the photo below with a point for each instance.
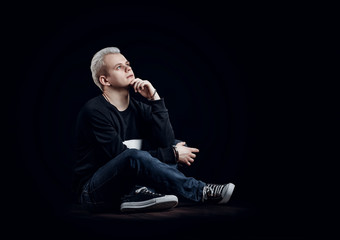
(127, 68)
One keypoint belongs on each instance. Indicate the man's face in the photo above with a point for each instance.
(118, 69)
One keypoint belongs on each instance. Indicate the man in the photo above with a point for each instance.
(124, 145)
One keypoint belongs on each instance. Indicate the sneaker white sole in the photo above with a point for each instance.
(155, 204)
(226, 193)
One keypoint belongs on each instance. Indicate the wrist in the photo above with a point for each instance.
(156, 97)
(153, 95)
(175, 152)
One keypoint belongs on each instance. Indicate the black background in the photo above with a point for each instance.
(237, 81)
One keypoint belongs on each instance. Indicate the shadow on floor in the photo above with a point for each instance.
(189, 221)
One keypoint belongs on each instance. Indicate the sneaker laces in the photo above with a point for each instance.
(212, 190)
(145, 190)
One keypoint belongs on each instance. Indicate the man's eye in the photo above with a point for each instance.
(118, 67)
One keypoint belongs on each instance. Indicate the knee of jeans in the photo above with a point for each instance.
(137, 157)
(135, 153)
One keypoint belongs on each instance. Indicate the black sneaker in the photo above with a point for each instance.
(145, 200)
(219, 194)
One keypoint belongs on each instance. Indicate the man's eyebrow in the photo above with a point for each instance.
(120, 63)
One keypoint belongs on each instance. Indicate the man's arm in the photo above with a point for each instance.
(160, 133)
(106, 136)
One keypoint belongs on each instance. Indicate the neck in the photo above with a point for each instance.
(120, 98)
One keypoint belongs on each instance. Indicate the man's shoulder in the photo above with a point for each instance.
(93, 102)
(94, 105)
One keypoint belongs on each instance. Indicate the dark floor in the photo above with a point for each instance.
(186, 221)
(236, 220)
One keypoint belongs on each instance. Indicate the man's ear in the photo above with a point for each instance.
(103, 80)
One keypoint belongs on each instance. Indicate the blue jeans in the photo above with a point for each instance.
(136, 167)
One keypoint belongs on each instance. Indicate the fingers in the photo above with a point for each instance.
(187, 154)
(190, 149)
(136, 84)
(194, 150)
(139, 84)
(181, 144)
(134, 81)
(138, 87)
(189, 161)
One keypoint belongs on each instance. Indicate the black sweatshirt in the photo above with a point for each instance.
(101, 130)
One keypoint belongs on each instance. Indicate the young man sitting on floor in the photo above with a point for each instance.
(126, 150)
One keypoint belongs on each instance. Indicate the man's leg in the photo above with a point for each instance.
(165, 178)
(132, 167)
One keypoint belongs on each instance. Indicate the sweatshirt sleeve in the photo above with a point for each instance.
(106, 136)
(159, 132)
(162, 133)
(165, 155)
